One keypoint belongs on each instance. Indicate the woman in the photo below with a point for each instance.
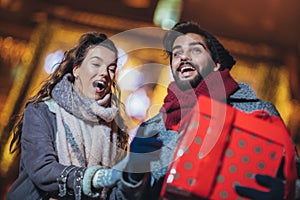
(72, 134)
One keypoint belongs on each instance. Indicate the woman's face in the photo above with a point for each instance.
(95, 75)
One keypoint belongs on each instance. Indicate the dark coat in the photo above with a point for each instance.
(39, 166)
(38, 150)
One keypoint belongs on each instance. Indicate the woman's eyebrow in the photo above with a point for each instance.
(96, 57)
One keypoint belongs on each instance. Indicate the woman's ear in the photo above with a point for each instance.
(75, 71)
(217, 67)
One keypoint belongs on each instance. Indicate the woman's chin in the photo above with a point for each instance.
(103, 99)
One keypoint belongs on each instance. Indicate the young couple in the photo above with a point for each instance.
(74, 144)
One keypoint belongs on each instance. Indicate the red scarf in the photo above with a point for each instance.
(217, 85)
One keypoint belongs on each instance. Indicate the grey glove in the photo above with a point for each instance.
(96, 177)
(106, 178)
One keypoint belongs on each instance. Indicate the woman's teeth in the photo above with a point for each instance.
(98, 84)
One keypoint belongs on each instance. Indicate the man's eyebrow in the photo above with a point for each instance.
(190, 44)
(198, 43)
(176, 47)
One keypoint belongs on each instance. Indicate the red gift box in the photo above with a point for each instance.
(221, 147)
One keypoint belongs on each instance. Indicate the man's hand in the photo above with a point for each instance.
(276, 191)
(143, 150)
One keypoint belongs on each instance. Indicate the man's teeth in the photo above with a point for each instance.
(186, 68)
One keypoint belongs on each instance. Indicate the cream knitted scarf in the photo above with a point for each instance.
(86, 131)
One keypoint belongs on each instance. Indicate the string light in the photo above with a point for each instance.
(52, 60)
(167, 13)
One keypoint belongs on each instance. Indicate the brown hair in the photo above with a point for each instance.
(72, 58)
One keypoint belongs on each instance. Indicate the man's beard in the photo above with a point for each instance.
(188, 84)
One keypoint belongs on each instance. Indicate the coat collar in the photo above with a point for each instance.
(244, 92)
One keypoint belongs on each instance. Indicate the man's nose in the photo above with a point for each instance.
(185, 56)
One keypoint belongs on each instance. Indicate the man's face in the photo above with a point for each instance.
(191, 60)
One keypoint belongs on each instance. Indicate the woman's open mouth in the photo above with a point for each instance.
(99, 85)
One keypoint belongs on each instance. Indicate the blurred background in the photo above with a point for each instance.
(262, 35)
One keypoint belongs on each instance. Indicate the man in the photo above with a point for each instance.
(200, 66)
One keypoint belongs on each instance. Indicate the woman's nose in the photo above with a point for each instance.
(103, 71)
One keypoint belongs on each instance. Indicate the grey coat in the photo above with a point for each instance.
(243, 99)
(39, 166)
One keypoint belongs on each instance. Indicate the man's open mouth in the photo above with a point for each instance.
(186, 67)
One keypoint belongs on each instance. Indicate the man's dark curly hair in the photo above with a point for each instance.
(218, 53)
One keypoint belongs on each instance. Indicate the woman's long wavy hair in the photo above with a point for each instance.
(72, 58)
